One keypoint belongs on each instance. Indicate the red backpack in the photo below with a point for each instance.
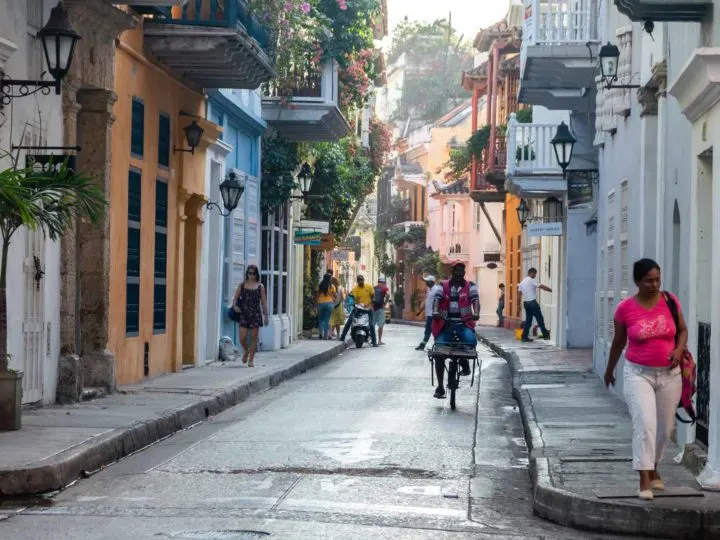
(687, 367)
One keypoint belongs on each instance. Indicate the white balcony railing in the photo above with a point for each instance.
(456, 245)
(309, 87)
(558, 22)
(529, 149)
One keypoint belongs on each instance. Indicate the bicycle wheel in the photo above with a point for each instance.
(452, 382)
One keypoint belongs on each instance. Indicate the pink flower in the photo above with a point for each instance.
(342, 4)
(288, 6)
(305, 7)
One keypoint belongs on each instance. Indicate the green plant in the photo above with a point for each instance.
(279, 161)
(461, 158)
(524, 116)
(47, 202)
(343, 178)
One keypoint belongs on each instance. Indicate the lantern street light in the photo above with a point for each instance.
(305, 180)
(193, 134)
(230, 190)
(523, 212)
(58, 40)
(563, 143)
(609, 60)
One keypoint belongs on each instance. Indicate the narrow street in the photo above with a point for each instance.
(357, 448)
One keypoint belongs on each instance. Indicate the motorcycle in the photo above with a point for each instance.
(360, 325)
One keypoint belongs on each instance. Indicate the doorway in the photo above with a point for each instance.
(191, 269)
(213, 310)
(703, 278)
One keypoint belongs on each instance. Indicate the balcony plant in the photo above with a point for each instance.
(48, 202)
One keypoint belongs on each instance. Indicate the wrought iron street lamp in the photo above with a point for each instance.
(305, 180)
(563, 143)
(230, 190)
(523, 212)
(193, 134)
(58, 40)
(609, 60)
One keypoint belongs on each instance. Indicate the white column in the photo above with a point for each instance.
(709, 478)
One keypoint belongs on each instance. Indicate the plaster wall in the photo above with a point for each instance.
(33, 120)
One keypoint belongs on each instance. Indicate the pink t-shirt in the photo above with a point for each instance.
(650, 332)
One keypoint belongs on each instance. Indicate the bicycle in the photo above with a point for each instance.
(454, 352)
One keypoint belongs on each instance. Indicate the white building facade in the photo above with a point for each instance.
(33, 298)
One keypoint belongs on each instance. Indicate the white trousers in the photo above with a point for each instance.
(652, 395)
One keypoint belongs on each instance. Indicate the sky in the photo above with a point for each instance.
(468, 16)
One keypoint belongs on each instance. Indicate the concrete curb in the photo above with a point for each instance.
(66, 467)
(581, 512)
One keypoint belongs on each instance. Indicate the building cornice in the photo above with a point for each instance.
(697, 87)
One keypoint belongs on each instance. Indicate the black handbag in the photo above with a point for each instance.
(235, 315)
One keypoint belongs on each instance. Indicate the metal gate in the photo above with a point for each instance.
(34, 349)
(703, 382)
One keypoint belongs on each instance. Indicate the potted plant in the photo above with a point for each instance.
(49, 201)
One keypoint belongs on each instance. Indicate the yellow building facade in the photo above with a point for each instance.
(157, 203)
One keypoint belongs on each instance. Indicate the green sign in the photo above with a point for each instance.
(308, 237)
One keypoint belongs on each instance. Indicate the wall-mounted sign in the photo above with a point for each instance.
(319, 226)
(545, 229)
(579, 190)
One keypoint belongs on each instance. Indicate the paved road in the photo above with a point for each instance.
(355, 449)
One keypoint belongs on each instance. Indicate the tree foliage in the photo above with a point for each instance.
(343, 178)
(435, 58)
(279, 160)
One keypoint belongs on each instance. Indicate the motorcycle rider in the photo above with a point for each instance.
(362, 293)
(456, 306)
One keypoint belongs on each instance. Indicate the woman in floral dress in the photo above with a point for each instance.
(250, 302)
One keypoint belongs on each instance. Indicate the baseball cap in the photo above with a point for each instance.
(381, 279)
(457, 263)
(429, 278)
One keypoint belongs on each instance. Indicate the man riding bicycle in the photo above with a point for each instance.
(456, 307)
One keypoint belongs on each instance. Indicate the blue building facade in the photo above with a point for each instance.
(231, 243)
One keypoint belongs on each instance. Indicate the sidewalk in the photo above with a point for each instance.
(579, 436)
(57, 445)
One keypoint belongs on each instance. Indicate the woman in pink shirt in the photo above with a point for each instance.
(652, 381)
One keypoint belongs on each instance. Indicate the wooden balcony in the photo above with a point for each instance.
(213, 43)
(308, 110)
(494, 161)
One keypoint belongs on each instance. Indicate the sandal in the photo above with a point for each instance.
(245, 358)
(657, 485)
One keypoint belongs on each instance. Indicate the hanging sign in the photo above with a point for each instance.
(327, 242)
(341, 256)
(545, 229)
(308, 238)
(49, 163)
(319, 226)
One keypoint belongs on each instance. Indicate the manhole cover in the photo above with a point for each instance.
(216, 535)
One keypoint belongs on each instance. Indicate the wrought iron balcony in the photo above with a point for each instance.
(213, 43)
(558, 53)
(308, 110)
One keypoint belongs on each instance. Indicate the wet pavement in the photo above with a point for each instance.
(357, 448)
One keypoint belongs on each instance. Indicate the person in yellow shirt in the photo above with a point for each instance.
(362, 293)
(326, 302)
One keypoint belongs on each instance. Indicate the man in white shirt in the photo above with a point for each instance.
(528, 290)
(429, 299)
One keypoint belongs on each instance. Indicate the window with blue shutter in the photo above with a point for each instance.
(137, 131)
(164, 141)
(132, 281)
(160, 262)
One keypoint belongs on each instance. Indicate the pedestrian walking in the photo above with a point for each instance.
(528, 289)
(430, 283)
(652, 380)
(326, 297)
(250, 305)
(501, 306)
(337, 319)
(380, 297)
